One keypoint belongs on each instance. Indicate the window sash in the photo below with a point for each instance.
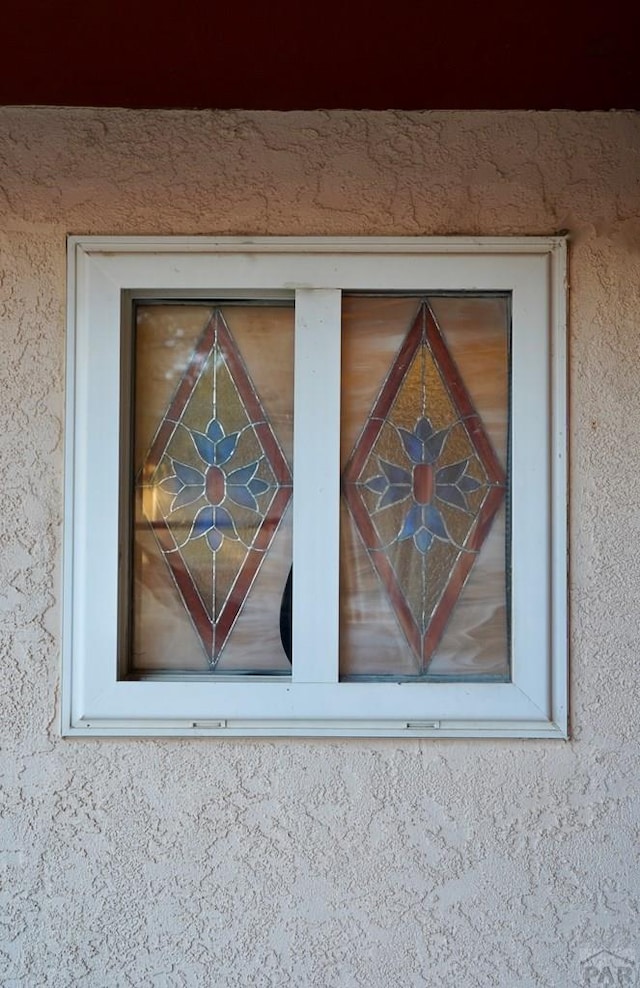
(104, 273)
(316, 458)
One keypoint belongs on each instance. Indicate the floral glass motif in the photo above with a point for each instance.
(189, 485)
(423, 485)
(214, 486)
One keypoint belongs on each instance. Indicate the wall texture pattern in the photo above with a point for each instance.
(320, 864)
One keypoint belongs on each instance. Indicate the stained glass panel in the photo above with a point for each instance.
(424, 456)
(212, 521)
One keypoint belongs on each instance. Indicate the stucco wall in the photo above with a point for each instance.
(320, 863)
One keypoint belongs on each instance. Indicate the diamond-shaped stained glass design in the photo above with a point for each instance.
(423, 485)
(214, 486)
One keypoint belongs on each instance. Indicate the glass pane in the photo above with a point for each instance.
(213, 436)
(425, 423)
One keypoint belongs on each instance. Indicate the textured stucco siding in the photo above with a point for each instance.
(354, 864)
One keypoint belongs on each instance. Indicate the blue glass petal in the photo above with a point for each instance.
(243, 475)
(202, 522)
(450, 474)
(241, 495)
(411, 523)
(377, 484)
(205, 446)
(423, 540)
(215, 431)
(172, 485)
(258, 486)
(187, 495)
(214, 538)
(188, 475)
(433, 446)
(434, 522)
(469, 484)
(394, 474)
(226, 448)
(451, 495)
(224, 523)
(423, 429)
(395, 492)
(222, 519)
(414, 447)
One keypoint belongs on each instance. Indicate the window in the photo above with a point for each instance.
(315, 487)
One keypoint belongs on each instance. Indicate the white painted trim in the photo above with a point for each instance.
(320, 245)
(316, 460)
(559, 563)
(314, 703)
(315, 729)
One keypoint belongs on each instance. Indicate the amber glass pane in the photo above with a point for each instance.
(425, 419)
(213, 415)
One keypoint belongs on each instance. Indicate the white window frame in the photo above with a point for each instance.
(102, 271)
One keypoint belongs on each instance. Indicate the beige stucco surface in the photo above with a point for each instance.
(354, 864)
